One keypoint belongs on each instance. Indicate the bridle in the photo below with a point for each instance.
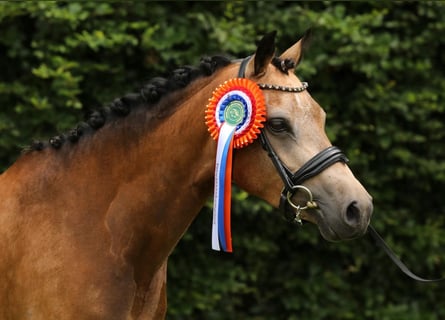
(314, 166)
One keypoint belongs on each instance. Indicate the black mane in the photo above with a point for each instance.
(148, 95)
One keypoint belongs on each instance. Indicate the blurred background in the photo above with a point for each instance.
(376, 67)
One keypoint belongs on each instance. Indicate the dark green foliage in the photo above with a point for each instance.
(378, 69)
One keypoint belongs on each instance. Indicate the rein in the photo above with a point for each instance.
(314, 166)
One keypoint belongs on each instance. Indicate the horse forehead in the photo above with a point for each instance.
(287, 80)
(292, 105)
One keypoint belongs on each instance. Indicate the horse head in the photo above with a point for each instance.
(318, 187)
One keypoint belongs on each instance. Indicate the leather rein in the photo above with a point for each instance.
(314, 166)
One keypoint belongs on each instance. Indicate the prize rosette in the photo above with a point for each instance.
(234, 116)
(240, 103)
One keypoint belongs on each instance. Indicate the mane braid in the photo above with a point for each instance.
(149, 95)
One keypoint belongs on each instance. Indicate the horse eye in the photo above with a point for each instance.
(278, 125)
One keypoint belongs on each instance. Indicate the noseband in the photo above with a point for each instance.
(314, 166)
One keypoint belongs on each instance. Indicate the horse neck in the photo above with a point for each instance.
(173, 175)
(159, 182)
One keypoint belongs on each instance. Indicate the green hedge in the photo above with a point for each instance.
(378, 69)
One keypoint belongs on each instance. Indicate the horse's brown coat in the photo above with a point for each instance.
(85, 231)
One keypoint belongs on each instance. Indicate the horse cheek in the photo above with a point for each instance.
(253, 172)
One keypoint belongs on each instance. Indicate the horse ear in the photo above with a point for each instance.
(263, 55)
(295, 53)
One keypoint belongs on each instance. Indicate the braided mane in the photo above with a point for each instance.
(148, 96)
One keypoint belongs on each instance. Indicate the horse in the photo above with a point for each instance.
(89, 218)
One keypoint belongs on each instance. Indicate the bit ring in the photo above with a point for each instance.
(310, 204)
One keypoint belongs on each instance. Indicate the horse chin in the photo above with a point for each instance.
(316, 217)
(329, 231)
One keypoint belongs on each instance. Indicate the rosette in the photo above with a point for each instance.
(239, 102)
(234, 116)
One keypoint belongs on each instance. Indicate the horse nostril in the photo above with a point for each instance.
(353, 214)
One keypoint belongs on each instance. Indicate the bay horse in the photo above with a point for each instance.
(89, 218)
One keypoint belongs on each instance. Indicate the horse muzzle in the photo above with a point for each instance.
(351, 222)
(345, 217)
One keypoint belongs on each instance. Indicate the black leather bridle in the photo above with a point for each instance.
(315, 165)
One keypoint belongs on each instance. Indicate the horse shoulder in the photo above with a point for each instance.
(53, 264)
